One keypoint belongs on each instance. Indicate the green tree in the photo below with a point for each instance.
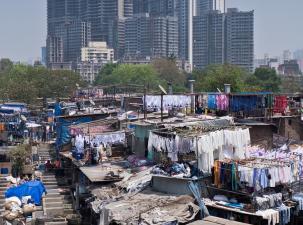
(168, 71)
(27, 83)
(18, 156)
(105, 72)
(5, 65)
(266, 79)
(215, 76)
(132, 74)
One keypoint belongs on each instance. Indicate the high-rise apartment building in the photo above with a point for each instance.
(151, 37)
(54, 47)
(43, 55)
(209, 35)
(224, 37)
(185, 13)
(138, 36)
(240, 38)
(78, 22)
(204, 6)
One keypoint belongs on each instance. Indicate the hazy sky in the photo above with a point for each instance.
(277, 26)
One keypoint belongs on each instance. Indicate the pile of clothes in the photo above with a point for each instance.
(268, 201)
(16, 209)
(136, 161)
(181, 170)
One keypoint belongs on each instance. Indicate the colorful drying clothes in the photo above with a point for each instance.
(280, 104)
(218, 101)
(226, 175)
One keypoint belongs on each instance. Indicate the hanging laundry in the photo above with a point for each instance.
(212, 101)
(169, 101)
(222, 102)
(280, 104)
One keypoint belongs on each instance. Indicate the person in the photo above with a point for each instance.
(35, 153)
(48, 165)
(57, 166)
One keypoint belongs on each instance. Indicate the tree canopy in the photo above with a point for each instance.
(168, 71)
(27, 83)
(129, 74)
(215, 76)
(265, 79)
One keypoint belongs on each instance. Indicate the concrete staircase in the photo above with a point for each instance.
(57, 204)
(3, 187)
(44, 152)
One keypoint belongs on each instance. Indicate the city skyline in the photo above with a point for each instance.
(30, 25)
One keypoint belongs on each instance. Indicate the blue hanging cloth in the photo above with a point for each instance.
(212, 102)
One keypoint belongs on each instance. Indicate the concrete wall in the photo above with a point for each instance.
(291, 128)
(262, 135)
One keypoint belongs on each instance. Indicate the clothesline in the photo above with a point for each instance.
(195, 132)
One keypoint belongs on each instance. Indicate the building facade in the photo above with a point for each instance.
(54, 53)
(89, 70)
(77, 22)
(209, 39)
(204, 6)
(151, 37)
(240, 38)
(185, 13)
(97, 52)
(224, 38)
(93, 58)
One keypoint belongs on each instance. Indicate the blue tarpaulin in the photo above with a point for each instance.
(35, 189)
(244, 103)
(62, 129)
(58, 110)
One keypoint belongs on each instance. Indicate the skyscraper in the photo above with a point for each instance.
(151, 37)
(67, 33)
(79, 21)
(240, 38)
(209, 34)
(185, 12)
(204, 6)
(224, 37)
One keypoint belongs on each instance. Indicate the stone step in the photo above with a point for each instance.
(49, 175)
(68, 206)
(53, 191)
(54, 211)
(44, 155)
(52, 204)
(51, 186)
(56, 223)
(69, 211)
(48, 182)
(4, 184)
(53, 199)
(52, 195)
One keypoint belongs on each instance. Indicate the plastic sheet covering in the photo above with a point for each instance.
(194, 187)
(63, 131)
(35, 189)
(129, 210)
(244, 103)
(180, 211)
